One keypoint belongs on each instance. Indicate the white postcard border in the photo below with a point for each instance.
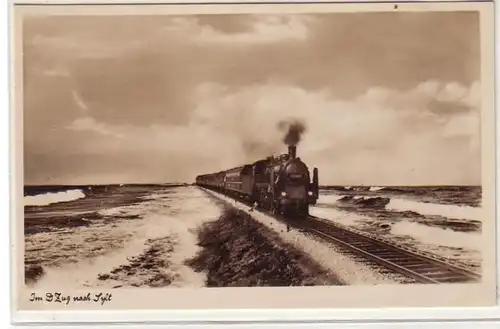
(266, 315)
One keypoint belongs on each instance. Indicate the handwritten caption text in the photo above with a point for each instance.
(57, 297)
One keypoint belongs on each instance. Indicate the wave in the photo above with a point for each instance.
(371, 202)
(434, 209)
(53, 197)
(352, 188)
(329, 198)
(79, 257)
(334, 215)
(438, 236)
(406, 206)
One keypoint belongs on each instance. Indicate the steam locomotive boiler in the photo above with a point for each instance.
(279, 184)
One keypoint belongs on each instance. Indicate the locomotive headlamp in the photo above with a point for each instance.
(283, 193)
(310, 193)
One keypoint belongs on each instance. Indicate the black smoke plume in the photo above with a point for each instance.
(293, 129)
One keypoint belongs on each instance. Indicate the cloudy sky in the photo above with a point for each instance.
(387, 98)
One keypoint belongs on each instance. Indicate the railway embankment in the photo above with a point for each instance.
(349, 270)
(237, 251)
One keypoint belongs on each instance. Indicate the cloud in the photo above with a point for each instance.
(266, 29)
(368, 140)
(79, 101)
(90, 124)
(78, 46)
(383, 137)
(263, 29)
(56, 73)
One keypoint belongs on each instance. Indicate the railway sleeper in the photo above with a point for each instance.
(360, 245)
(347, 240)
(416, 264)
(446, 271)
(409, 264)
(382, 253)
(438, 270)
(404, 261)
(435, 273)
(339, 235)
(455, 279)
(394, 256)
(431, 272)
(444, 275)
(359, 242)
(379, 248)
(349, 235)
(354, 241)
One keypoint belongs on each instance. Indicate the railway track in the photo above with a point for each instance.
(422, 268)
(419, 267)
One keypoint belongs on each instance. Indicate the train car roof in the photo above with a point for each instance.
(235, 169)
(262, 161)
(241, 167)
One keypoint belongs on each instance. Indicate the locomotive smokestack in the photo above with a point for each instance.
(292, 151)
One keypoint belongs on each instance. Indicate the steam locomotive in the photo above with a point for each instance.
(279, 184)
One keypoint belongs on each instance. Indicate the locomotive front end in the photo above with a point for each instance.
(295, 189)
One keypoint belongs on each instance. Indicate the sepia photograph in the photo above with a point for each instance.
(169, 151)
